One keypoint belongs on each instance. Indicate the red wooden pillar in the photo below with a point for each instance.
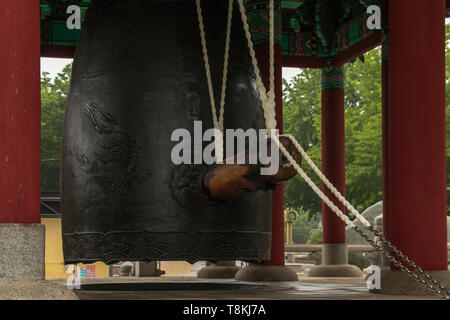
(274, 269)
(417, 159)
(22, 237)
(334, 248)
(384, 112)
(19, 112)
(262, 54)
(263, 57)
(333, 150)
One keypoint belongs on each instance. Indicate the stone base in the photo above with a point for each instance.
(335, 263)
(335, 270)
(22, 252)
(220, 270)
(394, 282)
(36, 290)
(266, 273)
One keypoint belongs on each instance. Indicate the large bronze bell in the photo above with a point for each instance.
(138, 74)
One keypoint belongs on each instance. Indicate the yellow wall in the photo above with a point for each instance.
(54, 262)
(179, 268)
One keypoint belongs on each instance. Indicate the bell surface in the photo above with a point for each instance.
(138, 74)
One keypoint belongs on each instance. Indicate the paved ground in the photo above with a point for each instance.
(305, 288)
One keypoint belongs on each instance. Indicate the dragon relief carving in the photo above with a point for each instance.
(117, 163)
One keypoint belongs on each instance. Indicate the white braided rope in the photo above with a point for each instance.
(225, 64)
(268, 104)
(338, 195)
(327, 182)
(217, 121)
(267, 98)
(206, 61)
(322, 177)
(313, 186)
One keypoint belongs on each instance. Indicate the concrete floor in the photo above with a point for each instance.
(305, 288)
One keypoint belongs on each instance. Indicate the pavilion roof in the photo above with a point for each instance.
(310, 28)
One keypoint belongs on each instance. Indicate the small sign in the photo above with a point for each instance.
(90, 271)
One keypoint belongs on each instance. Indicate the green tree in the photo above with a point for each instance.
(303, 226)
(53, 96)
(363, 147)
(362, 132)
(302, 118)
(301, 112)
(316, 237)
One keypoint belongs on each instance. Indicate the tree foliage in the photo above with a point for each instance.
(53, 96)
(362, 130)
(302, 118)
(316, 237)
(303, 227)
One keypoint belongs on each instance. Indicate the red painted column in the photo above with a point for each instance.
(20, 110)
(333, 149)
(384, 112)
(262, 54)
(417, 159)
(274, 269)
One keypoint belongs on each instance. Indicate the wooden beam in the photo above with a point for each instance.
(358, 49)
(347, 55)
(303, 62)
(52, 51)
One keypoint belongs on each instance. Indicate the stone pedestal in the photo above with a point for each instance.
(266, 273)
(219, 270)
(22, 252)
(22, 265)
(396, 282)
(335, 263)
(36, 290)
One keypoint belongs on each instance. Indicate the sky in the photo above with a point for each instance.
(54, 66)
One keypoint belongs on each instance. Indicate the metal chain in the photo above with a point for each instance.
(425, 278)
(418, 274)
(411, 263)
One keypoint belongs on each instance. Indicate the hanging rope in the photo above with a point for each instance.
(217, 121)
(269, 112)
(267, 98)
(419, 275)
(268, 104)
